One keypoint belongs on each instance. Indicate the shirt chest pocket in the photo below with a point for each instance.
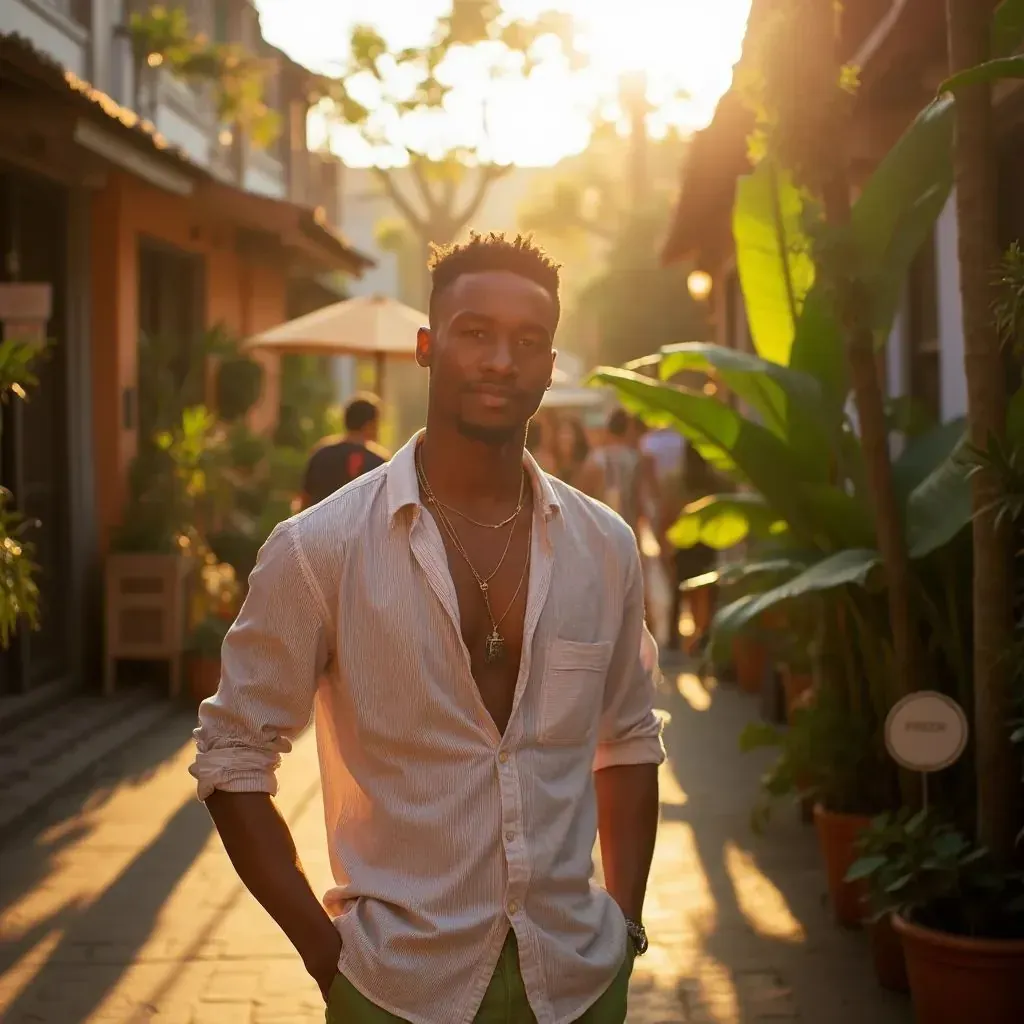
(572, 692)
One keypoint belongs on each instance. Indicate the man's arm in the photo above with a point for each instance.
(627, 822)
(271, 661)
(263, 853)
(628, 755)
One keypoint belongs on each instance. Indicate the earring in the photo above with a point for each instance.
(548, 388)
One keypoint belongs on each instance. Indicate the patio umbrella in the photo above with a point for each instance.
(369, 325)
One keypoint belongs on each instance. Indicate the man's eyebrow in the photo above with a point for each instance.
(529, 324)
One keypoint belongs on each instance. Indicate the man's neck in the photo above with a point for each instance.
(469, 473)
(355, 437)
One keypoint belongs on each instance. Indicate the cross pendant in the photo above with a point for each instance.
(494, 647)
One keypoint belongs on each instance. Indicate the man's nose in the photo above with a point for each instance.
(500, 358)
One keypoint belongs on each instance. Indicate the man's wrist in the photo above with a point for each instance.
(637, 936)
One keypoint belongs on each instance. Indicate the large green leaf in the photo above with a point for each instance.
(772, 257)
(889, 222)
(940, 506)
(984, 74)
(721, 435)
(1007, 28)
(898, 207)
(789, 403)
(852, 566)
(840, 519)
(923, 455)
(722, 521)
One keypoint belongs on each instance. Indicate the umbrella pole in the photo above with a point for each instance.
(381, 358)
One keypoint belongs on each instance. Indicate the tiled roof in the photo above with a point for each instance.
(20, 59)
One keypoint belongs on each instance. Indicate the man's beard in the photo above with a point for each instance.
(496, 437)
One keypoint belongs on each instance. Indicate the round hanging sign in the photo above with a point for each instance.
(926, 731)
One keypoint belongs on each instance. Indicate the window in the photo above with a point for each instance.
(170, 327)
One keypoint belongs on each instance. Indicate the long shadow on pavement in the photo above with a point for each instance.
(770, 931)
(98, 938)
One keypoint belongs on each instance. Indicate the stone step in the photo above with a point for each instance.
(54, 750)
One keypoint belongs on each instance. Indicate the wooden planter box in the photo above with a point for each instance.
(146, 612)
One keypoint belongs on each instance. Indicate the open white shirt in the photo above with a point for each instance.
(442, 832)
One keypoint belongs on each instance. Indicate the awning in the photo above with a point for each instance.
(114, 133)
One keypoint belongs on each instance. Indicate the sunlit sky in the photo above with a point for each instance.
(685, 46)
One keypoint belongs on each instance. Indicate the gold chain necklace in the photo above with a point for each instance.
(487, 526)
(494, 644)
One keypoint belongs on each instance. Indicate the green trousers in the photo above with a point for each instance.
(504, 1001)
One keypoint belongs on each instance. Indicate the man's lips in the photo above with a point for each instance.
(493, 396)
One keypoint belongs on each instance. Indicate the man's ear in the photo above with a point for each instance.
(424, 346)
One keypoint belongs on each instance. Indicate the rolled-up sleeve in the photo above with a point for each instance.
(630, 730)
(271, 660)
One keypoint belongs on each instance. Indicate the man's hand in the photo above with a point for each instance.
(323, 968)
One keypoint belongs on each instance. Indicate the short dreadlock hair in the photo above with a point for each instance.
(494, 251)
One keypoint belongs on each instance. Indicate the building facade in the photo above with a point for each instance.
(141, 222)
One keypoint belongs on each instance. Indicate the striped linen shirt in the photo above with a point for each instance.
(443, 833)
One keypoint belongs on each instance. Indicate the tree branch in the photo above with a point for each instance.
(419, 177)
(487, 177)
(404, 207)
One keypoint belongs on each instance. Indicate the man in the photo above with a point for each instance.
(482, 711)
(333, 465)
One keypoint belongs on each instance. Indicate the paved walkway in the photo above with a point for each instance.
(119, 905)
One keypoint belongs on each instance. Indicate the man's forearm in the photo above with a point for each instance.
(627, 821)
(263, 853)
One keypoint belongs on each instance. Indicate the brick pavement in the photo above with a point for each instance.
(119, 905)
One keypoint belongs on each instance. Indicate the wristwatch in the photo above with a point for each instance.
(637, 935)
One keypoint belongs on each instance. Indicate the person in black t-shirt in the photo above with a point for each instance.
(336, 463)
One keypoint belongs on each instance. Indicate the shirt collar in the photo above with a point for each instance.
(403, 488)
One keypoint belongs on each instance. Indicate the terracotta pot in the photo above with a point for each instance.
(750, 659)
(887, 954)
(837, 834)
(954, 979)
(795, 685)
(702, 608)
(807, 810)
(203, 676)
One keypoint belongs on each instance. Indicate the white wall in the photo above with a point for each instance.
(50, 31)
(953, 381)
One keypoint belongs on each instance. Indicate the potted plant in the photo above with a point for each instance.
(204, 645)
(961, 921)
(833, 758)
(882, 862)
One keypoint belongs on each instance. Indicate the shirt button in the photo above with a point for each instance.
(513, 907)
(509, 836)
(503, 757)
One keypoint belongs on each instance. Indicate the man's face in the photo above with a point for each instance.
(490, 353)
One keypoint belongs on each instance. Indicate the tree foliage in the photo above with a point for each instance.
(163, 37)
(383, 92)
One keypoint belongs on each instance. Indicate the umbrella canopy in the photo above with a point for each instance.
(573, 398)
(369, 325)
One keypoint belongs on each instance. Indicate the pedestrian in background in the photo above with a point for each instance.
(336, 463)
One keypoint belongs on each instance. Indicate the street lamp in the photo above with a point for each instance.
(698, 284)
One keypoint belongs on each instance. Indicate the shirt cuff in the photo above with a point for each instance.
(234, 772)
(645, 749)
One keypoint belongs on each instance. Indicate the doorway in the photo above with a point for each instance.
(34, 439)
